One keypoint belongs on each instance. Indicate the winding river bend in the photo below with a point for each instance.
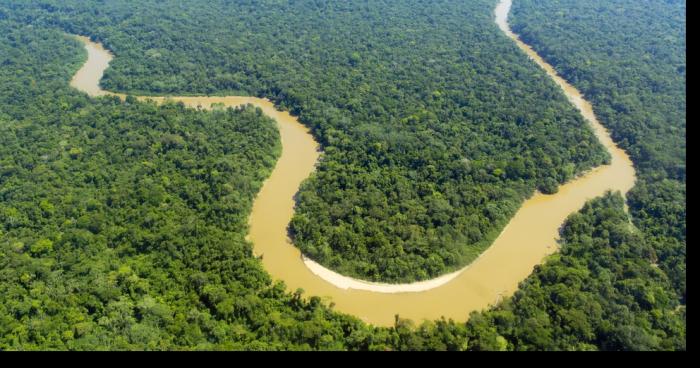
(527, 239)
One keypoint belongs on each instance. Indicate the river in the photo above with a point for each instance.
(528, 238)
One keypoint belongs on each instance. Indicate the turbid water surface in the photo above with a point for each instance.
(527, 239)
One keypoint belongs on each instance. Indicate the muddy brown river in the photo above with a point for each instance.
(528, 238)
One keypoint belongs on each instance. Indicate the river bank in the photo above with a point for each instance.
(528, 238)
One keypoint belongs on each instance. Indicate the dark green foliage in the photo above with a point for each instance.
(435, 126)
(628, 58)
(122, 224)
(603, 291)
(611, 288)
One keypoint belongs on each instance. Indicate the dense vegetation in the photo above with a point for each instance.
(628, 58)
(611, 288)
(121, 224)
(602, 291)
(435, 127)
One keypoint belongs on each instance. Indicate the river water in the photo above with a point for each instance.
(528, 238)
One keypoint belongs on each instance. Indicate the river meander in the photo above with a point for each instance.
(528, 238)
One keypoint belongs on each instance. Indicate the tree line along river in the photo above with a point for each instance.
(527, 239)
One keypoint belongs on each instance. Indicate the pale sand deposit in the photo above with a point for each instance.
(527, 239)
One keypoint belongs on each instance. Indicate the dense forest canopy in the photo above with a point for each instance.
(435, 127)
(601, 292)
(628, 58)
(612, 288)
(122, 224)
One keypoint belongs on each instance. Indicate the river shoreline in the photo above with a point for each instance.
(528, 238)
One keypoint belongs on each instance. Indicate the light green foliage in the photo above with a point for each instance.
(601, 292)
(398, 102)
(122, 223)
(628, 59)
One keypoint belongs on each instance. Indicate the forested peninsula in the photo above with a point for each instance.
(122, 223)
(628, 57)
(433, 126)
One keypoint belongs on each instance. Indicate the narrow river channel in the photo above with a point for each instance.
(527, 239)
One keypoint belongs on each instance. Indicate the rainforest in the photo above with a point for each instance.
(124, 220)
